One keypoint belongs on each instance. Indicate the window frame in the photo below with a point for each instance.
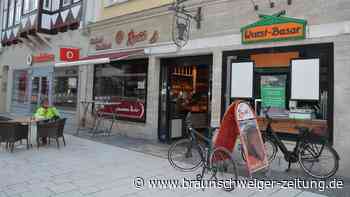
(11, 13)
(55, 5)
(121, 62)
(49, 6)
(18, 12)
(63, 5)
(5, 14)
(32, 6)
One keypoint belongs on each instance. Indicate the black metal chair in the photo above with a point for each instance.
(5, 132)
(51, 129)
(12, 132)
(45, 130)
(60, 125)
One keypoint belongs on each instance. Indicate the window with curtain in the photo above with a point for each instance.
(47, 5)
(18, 11)
(4, 16)
(66, 3)
(55, 5)
(29, 5)
(11, 13)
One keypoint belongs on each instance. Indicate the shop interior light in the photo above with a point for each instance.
(256, 7)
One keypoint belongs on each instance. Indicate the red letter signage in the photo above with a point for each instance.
(69, 54)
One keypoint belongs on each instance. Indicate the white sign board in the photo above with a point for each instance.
(242, 80)
(305, 79)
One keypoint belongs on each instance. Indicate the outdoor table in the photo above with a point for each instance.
(32, 127)
(100, 116)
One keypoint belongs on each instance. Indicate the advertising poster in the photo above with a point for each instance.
(251, 139)
(273, 91)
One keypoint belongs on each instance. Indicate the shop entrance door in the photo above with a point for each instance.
(41, 83)
(185, 87)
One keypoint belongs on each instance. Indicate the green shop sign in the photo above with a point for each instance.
(274, 28)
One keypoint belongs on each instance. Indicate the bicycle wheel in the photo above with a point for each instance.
(223, 168)
(185, 156)
(270, 147)
(319, 160)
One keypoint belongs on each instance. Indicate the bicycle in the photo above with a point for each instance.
(306, 152)
(217, 160)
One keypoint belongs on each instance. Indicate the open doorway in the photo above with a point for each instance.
(185, 87)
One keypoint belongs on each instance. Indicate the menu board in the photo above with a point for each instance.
(273, 91)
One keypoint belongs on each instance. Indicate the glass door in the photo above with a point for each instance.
(40, 91)
(40, 86)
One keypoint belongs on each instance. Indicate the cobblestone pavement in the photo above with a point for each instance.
(277, 168)
(87, 168)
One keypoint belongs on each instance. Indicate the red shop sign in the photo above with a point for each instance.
(43, 57)
(69, 54)
(126, 109)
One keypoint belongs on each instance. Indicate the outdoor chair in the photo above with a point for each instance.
(60, 129)
(51, 129)
(12, 132)
(46, 130)
(6, 128)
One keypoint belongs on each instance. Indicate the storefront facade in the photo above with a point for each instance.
(325, 37)
(32, 76)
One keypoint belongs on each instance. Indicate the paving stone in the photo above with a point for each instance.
(74, 193)
(65, 187)
(37, 193)
(87, 168)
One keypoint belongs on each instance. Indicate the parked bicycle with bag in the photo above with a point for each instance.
(317, 158)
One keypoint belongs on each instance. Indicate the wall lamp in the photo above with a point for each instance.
(272, 4)
(289, 2)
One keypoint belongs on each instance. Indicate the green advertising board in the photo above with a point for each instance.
(273, 96)
(273, 91)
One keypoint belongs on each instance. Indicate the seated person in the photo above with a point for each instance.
(46, 112)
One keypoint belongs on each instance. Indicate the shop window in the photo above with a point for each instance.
(66, 88)
(123, 83)
(273, 87)
(20, 87)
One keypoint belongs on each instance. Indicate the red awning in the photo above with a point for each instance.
(114, 56)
